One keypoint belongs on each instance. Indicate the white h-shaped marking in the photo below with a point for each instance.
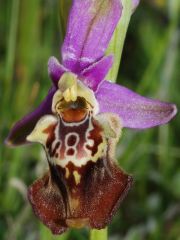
(74, 147)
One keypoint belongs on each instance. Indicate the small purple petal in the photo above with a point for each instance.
(135, 3)
(90, 28)
(24, 127)
(93, 75)
(134, 110)
(55, 70)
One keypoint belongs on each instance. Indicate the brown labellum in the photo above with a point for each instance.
(83, 186)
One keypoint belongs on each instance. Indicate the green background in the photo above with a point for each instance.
(30, 33)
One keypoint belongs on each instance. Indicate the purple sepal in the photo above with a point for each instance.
(135, 3)
(95, 74)
(24, 127)
(134, 110)
(55, 70)
(90, 28)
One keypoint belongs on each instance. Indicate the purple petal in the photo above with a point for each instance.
(134, 110)
(135, 3)
(55, 70)
(24, 127)
(93, 75)
(90, 28)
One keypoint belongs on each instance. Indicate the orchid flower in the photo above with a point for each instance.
(79, 124)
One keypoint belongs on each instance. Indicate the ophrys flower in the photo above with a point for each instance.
(80, 122)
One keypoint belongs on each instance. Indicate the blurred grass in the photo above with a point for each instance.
(29, 32)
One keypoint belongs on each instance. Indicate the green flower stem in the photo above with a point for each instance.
(99, 234)
(45, 234)
(117, 42)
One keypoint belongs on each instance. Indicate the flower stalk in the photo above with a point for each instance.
(117, 42)
(99, 234)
